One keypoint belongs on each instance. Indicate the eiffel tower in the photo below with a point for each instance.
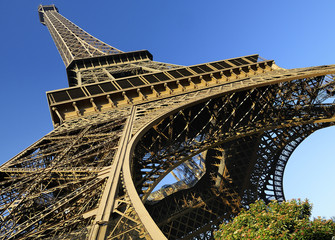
(225, 131)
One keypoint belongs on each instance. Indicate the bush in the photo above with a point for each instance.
(286, 220)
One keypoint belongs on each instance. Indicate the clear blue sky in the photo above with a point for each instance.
(293, 33)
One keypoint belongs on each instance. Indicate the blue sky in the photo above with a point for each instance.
(293, 33)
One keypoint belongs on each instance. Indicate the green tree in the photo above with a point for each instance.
(285, 220)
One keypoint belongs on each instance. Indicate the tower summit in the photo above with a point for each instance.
(71, 41)
(225, 130)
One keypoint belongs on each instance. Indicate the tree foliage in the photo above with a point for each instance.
(286, 220)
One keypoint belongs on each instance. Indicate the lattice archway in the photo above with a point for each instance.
(172, 139)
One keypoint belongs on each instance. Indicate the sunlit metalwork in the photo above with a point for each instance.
(225, 130)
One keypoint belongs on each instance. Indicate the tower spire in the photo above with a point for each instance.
(71, 41)
(80, 51)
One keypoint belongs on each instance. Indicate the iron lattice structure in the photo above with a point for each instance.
(225, 130)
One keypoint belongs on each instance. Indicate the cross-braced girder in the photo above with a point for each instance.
(48, 188)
